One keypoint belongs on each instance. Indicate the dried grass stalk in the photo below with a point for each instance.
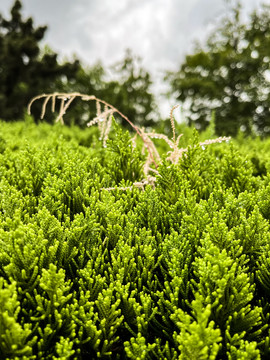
(105, 115)
(104, 120)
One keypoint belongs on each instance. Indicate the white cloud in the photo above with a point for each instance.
(160, 31)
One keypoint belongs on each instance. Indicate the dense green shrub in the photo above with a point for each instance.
(93, 267)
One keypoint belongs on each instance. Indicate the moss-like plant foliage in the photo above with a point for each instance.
(92, 266)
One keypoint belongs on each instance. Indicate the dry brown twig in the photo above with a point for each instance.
(66, 100)
(104, 120)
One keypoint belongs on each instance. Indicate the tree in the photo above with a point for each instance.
(229, 75)
(24, 72)
(132, 91)
(127, 88)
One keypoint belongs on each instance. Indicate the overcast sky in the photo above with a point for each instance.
(161, 32)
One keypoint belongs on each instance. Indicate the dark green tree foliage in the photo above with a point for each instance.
(24, 71)
(178, 271)
(230, 75)
(133, 91)
(27, 70)
(125, 85)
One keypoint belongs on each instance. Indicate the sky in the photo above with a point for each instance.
(161, 32)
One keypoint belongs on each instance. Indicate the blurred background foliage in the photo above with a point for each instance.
(227, 77)
(27, 69)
